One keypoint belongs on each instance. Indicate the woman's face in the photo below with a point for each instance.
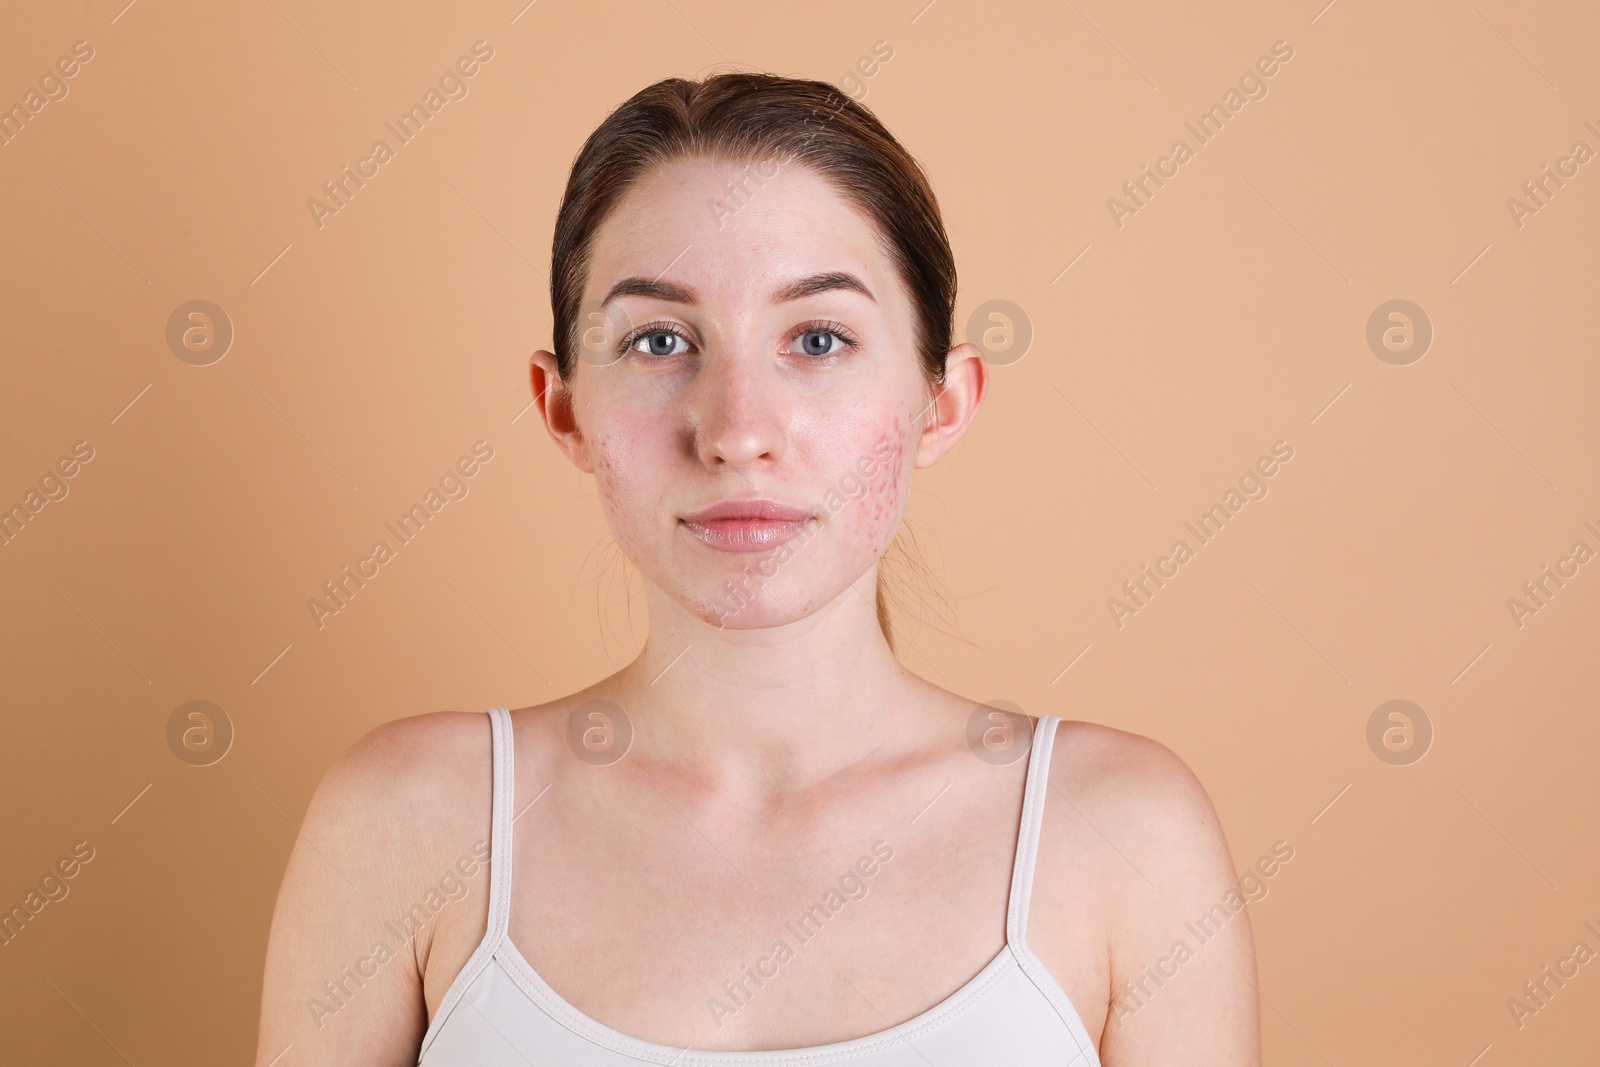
(747, 342)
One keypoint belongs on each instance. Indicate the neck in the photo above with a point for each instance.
(770, 709)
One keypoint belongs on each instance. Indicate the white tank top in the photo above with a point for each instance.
(499, 1013)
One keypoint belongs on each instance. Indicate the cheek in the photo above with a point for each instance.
(872, 518)
(622, 478)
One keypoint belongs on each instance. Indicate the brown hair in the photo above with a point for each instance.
(762, 118)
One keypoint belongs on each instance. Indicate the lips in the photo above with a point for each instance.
(749, 525)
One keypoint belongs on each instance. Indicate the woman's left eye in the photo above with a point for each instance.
(819, 341)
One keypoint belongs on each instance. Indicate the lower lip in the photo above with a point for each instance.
(745, 535)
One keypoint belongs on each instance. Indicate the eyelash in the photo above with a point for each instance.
(819, 326)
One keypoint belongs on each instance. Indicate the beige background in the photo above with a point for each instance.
(1229, 313)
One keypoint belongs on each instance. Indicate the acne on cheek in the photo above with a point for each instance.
(874, 516)
(610, 478)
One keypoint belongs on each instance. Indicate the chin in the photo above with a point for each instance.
(743, 609)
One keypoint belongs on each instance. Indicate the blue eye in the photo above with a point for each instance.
(820, 342)
(822, 339)
(817, 340)
(658, 342)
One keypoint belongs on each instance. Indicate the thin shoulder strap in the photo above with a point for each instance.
(1033, 797)
(504, 798)
(502, 771)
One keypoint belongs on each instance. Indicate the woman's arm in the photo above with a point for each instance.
(1179, 957)
(354, 920)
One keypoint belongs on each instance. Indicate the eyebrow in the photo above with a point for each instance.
(795, 290)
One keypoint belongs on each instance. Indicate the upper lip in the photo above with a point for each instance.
(749, 508)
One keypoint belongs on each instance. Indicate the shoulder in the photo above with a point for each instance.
(395, 760)
(1142, 810)
(1138, 856)
(369, 872)
(1134, 784)
(406, 775)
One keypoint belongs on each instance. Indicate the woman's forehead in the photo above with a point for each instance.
(718, 227)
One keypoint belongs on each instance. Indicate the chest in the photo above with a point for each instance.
(687, 927)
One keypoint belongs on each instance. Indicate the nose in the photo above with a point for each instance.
(737, 410)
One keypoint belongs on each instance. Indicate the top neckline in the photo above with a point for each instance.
(593, 1030)
(497, 943)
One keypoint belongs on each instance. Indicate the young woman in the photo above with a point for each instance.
(763, 841)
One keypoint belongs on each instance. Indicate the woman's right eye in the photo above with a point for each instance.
(659, 343)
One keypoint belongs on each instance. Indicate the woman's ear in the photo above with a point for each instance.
(557, 409)
(946, 418)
